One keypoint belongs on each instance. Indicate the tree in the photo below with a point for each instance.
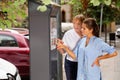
(11, 12)
(92, 8)
(104, 11)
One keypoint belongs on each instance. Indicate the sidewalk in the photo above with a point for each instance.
(110, 68)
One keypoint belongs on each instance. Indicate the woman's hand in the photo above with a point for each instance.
(59, 41)
(59, 44)
(96, 62)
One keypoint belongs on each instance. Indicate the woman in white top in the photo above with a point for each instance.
(70, 39)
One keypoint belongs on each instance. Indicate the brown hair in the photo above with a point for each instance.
(79, 17)
(92, 24)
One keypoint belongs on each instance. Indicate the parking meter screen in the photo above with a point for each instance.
(53, 32)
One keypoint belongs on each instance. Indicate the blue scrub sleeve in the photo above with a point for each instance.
(76, 49)
(104, 47)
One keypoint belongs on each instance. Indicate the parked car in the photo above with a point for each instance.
(27, 36)
(8, 71)
(15, 49)
(118, 32)
(9, 30)
(22, 31)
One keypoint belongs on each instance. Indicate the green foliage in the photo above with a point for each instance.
(77, 7)
(107, 2)
(95, 2)
(93, 9)
(43, 6)
(98, 2)
(15, 10)
(62, 2)
(117, 3)
(46, 2)
(109, 13)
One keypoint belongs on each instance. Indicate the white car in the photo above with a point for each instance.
(8, 71)
(118, 32)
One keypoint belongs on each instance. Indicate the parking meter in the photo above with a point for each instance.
(44, 29)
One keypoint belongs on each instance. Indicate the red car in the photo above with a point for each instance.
(15, 49)
(22, 31)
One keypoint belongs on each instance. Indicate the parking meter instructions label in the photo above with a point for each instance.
(53, 32)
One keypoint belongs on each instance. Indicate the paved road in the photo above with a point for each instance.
(110, 67)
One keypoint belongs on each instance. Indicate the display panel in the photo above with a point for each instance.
(53, 32)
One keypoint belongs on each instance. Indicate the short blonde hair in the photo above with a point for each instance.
(79, 17)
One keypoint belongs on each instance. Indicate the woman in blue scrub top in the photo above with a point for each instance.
(89, 51)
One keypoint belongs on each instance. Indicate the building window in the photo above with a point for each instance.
(63, 16)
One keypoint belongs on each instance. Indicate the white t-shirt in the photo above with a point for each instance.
(70, 39)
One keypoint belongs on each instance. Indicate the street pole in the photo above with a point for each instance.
(101, 16)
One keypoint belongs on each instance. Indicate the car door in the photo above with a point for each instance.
(15, 51)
